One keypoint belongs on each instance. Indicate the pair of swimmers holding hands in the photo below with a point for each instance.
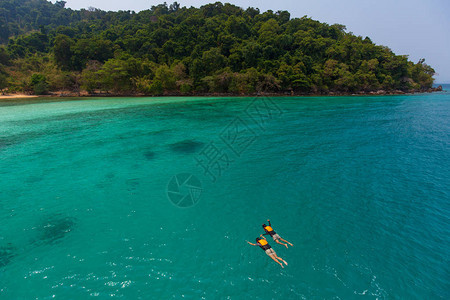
(264, 245)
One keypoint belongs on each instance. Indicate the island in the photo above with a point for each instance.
(217, 49)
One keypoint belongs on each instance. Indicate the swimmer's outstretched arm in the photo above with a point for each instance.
(269, 222)
(262, 235)
(251, 243)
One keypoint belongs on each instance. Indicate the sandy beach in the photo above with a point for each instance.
(15, 96)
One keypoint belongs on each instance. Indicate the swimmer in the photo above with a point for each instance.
(263, 244)
(274, 235)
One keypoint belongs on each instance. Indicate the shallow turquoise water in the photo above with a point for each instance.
(359, 185)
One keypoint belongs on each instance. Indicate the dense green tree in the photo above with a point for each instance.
(63, 51)
(422, 74)
(115, 76)
(90, 78)
(166, 76)
(4, 57)
(3, 81)
(22, 16)
(156, 88)
(39, 84)
(91, 49)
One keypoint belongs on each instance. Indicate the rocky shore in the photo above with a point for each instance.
(64, 94)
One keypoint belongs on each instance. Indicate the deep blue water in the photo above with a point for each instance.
(92, 200)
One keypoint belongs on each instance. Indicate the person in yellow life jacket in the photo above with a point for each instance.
(263, 244)
(269, 231)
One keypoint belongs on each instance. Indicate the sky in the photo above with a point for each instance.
(418, 28)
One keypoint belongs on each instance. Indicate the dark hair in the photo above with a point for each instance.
(264, 225)
(257, 239)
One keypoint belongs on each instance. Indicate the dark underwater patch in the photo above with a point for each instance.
(8, 141)
(110, 175)
(186, 146)
(5, 142)
(149, 154)
(132, 184)
(33, 179)
(55, 228)
(7, 252)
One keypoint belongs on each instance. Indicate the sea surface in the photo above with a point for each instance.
(155, 198)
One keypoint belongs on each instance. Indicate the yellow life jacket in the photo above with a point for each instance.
(262, 242)
(268, 228)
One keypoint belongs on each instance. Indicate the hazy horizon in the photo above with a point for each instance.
(413, 28)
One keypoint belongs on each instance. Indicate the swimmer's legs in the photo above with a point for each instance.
(278, 242)
(280, 259)
(286, 242)
(273, 256)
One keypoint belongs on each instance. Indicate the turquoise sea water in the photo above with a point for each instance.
(359, 185)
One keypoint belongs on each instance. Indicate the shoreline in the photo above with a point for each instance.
(68, 94)
(17, 96)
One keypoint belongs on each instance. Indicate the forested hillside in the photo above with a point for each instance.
(168, 49)
(22, 16)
